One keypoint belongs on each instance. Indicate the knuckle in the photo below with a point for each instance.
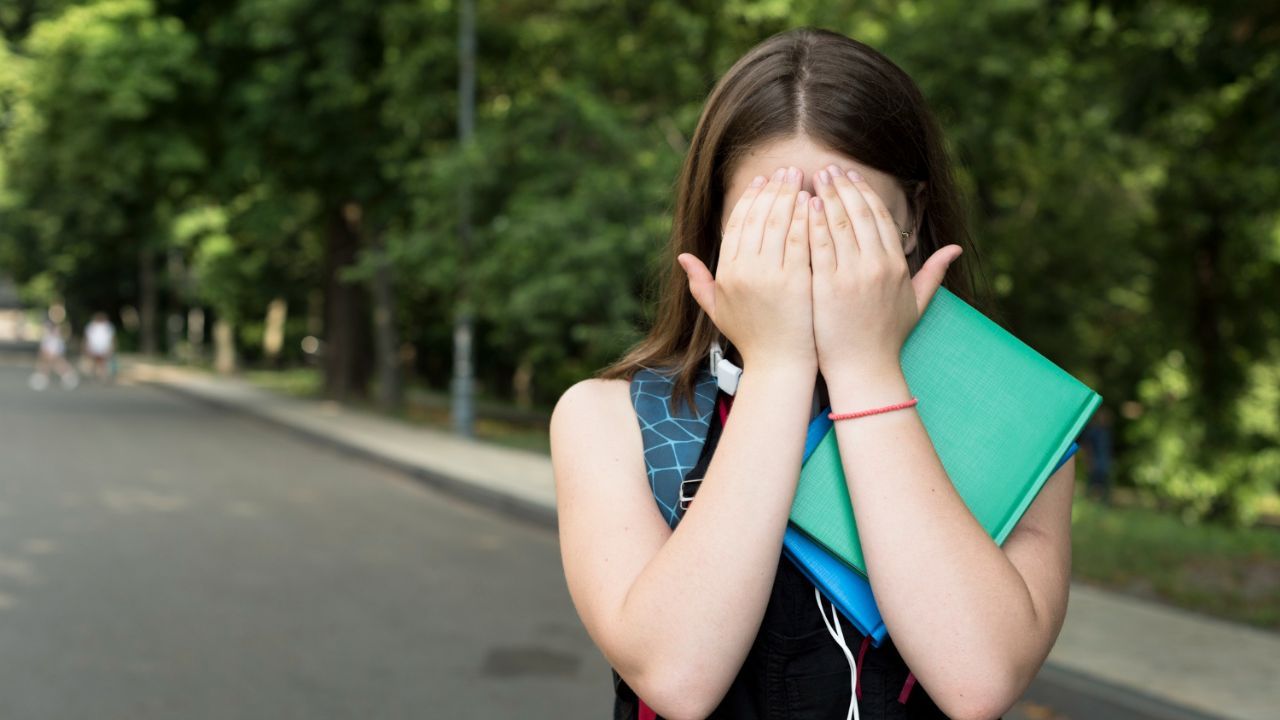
(864, 212)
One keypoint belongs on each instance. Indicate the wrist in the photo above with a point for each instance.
(782, 367)
(852, 388)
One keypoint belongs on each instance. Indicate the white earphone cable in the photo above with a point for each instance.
(838, 634)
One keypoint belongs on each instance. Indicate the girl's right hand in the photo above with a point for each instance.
(760, 296)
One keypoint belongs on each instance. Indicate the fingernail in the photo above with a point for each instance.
(835, 169)
(855, 176)
(777, 174)
(793, 175)
(824, 177)
(816, 202)
(760, 180)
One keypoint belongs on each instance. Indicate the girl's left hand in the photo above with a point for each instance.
(865, 301)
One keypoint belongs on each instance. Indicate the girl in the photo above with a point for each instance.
(817, 187)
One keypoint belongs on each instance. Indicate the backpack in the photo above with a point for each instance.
(673, 440)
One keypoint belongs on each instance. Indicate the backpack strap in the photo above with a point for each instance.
(673, 440)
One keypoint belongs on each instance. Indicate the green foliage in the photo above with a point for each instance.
(96, 155)
(1180, 466)
(1121, 161)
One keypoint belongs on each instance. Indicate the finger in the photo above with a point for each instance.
(822, 249)
(778, 224)
(702, 286)
(865, 231)
(926, 282)
(729, 240)
(890, 236)
(796, 255)
(752, 234)
(839, 226)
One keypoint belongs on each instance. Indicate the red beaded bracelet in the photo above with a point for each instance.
(873, 411)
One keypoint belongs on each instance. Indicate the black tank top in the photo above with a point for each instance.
(794, 669)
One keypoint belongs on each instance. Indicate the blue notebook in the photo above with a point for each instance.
(843, 586)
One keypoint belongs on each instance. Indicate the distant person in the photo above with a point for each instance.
(53, 358)
(100, 345)
(1096, 442)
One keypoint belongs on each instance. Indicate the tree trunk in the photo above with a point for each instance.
(346, 310)
(1207, 330)
(522, 385)
(390, 389)
(224, 347)
(175, 274)
(147, 298)
(195, 334)
(273, 331)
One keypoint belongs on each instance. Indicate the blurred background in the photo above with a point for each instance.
(337, 245)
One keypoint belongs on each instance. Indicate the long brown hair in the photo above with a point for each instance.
(845, 96)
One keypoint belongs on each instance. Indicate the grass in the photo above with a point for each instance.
(524, 435)
(495, 421)
(1227, 572)
(295, 382)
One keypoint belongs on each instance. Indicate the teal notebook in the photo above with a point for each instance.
(999, 415)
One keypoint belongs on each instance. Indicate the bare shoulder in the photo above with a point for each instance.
(592, 411)
(595, 436)
(591, 398)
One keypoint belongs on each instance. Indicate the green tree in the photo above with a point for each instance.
(102, 157)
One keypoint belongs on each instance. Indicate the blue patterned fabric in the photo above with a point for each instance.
(672, 442)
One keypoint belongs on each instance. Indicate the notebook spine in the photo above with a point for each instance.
(1087, 408)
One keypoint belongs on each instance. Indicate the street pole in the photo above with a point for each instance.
(463, 387)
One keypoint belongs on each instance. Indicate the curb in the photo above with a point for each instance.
(515, 507)
(1057, 685)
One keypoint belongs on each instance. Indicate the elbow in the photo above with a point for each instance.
(679, 691)
(973, 712)
(973, 707)
(978, 698)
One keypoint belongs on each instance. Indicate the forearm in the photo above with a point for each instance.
(695, 609)
(958, 610)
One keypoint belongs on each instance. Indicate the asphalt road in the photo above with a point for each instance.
(160, 558)
(163, 559)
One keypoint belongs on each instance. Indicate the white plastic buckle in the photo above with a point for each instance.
(685, 499)
(725, 372)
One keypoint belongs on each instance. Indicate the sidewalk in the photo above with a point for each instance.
(1149, 653)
